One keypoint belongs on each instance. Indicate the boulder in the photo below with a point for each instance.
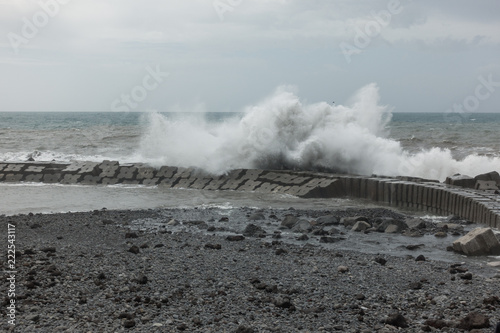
(327, 220)
(486, 185)
(461, 180)
(474, 320)
(289, 221)
(253, 230)
(361, 226)
(415, 223)
(493, 175)
(351, 221)
(302, 226)
(480, 241)
(390, 225)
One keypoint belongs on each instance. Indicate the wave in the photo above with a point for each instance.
(284, 133)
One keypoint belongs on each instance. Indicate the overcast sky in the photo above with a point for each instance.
(105, 55)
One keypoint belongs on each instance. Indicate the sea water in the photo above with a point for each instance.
(282, 131)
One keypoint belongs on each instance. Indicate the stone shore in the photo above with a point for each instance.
(101, 271)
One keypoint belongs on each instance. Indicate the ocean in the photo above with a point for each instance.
(280, 132)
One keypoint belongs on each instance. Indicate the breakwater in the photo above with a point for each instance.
(479, 206)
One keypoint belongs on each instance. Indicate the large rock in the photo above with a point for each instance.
(289, 221)
(253, 230)
(390, 225)
(493, 175)
(480, 241)
(302, 225)
(461, 180)
(327, 220)
(349, 221)
(361, 226)
(486, 185)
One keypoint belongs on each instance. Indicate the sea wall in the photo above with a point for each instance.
(478, 206)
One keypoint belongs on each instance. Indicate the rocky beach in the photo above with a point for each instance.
(251, 270)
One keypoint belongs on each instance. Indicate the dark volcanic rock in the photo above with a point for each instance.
(474, 320)
(327, 220)
(256, 217)
(253, 230)
(289, 221)
(213, 246)
(397, 320)
(235, 238)
(134, 249)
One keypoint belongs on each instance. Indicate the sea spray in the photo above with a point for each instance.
(283, 132)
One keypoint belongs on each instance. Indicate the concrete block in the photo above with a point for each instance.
(480, 241)
(281, 189)
(399, 194)
(109, 181)
(294, 190)
(494, 175)
(108, 164)
(266, 187)
(345, 184)
(363, 192)
(2, 176)
(91, 168)
(372, 189)
(331, 188)
(249, 185)
(52, 178)
(393, 193)
(69, 179)
(151, 181)
(33, 177)
(236, 173)
(436, 198)
(380, 190)
(184, 172)
(184, 182)
(108, 171)
(232, 184)
(145, 173)
(469, 214)
(457, 203)
(445, 201)
(215, 184)
(2, 166)
(13, 177)
(73, 167)
(425, 197)
(356, 187)
(461, 180)
(200, 183)
(388, 191)
(269, 176)
(127, 173)
(252, 174)
(130, 182)
(14, 168)
(90, 180)
(34, 169)
(485, 185)
(166, 172)
(285, 179)
(298, 181)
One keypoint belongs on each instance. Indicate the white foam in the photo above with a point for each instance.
(282, 131)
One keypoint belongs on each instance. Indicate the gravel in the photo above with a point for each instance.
(131, 271)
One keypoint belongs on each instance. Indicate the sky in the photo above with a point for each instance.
(224, 55)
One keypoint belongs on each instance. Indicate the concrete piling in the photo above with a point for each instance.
(480, 206)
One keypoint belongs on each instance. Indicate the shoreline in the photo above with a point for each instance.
(97, 271)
